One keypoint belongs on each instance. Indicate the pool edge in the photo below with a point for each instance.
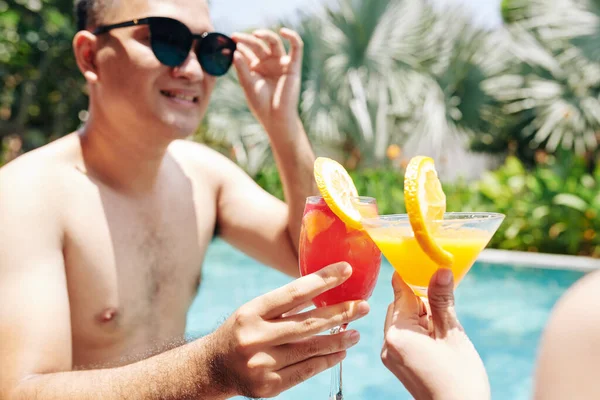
(539, 260)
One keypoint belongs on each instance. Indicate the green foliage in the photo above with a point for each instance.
(393, 72)
(552, 208)
(41, 89)
(268, 179)
(376, 183)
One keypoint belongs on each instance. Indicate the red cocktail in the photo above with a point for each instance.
(325, 240)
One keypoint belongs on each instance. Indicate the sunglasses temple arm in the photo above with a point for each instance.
(105, 28)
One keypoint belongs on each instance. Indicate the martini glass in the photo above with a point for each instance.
(464, 235)
(325, 239)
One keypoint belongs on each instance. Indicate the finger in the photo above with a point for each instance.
(298, 309)
(273, 40)
(318, 345)
(247, 53)
(286, 298)
(260, 48)
(388, 318)
(312, 322)
(296, 48)
(423, 307)
(408, 308)
(298, 373)
(405, 301)
(441, 302)
(424, 315)
(242, 68)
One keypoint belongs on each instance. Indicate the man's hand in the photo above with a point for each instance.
(261, 352)
(269, 76)
(431, 354)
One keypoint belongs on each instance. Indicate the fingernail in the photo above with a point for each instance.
(346, 270)
(444, 277)
(363, 308)
(354, 337)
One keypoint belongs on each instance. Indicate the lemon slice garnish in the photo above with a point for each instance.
(338, 190)
(425, 203)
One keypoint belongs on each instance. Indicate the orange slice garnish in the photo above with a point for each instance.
(338, 190)
(425, 204)
(315, 222)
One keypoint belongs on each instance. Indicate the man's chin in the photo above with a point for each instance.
(181, 127)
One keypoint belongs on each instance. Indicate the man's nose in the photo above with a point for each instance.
(190, 69)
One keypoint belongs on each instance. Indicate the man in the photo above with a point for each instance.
(434, 359)
(104, 230)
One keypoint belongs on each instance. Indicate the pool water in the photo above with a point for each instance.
(502, 308)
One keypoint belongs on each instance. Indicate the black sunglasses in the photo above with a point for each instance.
(171, 42)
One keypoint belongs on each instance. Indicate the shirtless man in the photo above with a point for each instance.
(104, 230)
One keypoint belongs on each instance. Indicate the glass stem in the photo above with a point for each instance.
(335, 391)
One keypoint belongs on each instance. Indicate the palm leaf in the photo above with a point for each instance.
(231, 121)
(452, 109)
(555, 94)
(356, 92)
(562, 105)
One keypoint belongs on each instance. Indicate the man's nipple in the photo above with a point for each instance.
(109, 314)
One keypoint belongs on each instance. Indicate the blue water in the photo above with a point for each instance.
(503, 310)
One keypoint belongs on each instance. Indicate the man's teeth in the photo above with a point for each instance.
(178, 96)
(181, 96)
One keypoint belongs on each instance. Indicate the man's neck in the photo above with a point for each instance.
(128, 161)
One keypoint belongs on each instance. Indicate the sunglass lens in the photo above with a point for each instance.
(215, 53)
(170, 40)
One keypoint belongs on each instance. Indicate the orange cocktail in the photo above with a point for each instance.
(462, 235)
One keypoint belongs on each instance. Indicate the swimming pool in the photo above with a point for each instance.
(502, 308)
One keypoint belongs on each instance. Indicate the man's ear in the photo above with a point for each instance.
(84, 48)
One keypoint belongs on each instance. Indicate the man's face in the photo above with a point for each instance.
(138, 92)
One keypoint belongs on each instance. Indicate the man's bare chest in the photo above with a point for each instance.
(133, 269)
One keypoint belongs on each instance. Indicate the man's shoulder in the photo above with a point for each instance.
(198, 156)
(585, 289)
(568, 351)
(190, 148)
(38, 168)
(578, 310)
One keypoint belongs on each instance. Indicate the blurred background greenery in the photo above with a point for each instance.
(511, 115)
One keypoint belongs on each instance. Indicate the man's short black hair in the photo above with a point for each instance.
(89, 13)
